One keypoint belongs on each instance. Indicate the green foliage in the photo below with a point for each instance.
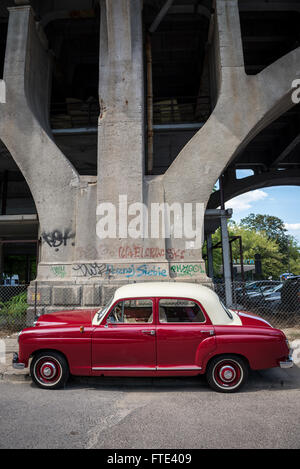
(258, 243)
(295, 266)
(272, 226)
(264, 235)
(13, 311)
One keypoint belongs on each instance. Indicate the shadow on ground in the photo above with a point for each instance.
(274, 379)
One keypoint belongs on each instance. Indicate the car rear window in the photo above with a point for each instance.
(173, 310)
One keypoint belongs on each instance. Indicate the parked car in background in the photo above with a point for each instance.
(272, 300)
(153, 329)
(285, 276)
(258, 298)
(254, 290)
(290, 294)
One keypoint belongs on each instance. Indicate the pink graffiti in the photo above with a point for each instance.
(139, 252)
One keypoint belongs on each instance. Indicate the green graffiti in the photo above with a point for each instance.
(182, 270)
(58, 271)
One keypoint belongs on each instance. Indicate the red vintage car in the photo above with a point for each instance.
(153, 329)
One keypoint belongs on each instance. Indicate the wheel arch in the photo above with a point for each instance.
(227, 354)
(49, 350)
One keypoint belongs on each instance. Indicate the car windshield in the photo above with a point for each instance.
(226, 310)
(101, 313)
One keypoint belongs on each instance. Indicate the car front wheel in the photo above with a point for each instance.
(49, 370)
(227, 373)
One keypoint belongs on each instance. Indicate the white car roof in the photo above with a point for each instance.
(206, 297)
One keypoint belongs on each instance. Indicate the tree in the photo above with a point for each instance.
(272, 226)
(293, 256)
(256, 241)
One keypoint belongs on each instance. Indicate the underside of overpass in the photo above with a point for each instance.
(182, 88)
(205, 91)
(273, 156)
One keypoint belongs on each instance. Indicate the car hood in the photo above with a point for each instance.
(63, 318)
(249, 319)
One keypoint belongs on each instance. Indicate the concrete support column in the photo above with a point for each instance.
(121, 120)
(226, 261)
(229, 38)
(25, 130)
(210, 266)
(1, 262)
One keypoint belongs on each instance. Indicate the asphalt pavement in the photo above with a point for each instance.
(152, 413)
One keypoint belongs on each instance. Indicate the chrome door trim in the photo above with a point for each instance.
(178, 368)
(121, 368)
(169, 368)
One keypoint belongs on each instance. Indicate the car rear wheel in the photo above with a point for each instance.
(49, 370)
(227, 373)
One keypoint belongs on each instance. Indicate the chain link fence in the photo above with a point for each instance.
(276, 302)
(13, 307)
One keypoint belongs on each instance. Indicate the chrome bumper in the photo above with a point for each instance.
(286, 364)
(16, 364)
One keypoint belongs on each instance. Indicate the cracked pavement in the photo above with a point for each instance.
(147, 413)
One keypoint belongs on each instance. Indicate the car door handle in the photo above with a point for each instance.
(149, 332)
(208, 331)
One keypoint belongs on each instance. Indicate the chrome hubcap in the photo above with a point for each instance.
(48, 370)
(227, 373)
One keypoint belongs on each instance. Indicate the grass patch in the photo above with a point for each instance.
(13, 312)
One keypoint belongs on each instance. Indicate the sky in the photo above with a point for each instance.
(282, 202)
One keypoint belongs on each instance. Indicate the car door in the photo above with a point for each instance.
(184, 334)
(124, 343)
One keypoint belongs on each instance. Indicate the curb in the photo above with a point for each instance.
(12, 376)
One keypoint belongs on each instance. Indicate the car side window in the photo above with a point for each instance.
(137, 311)
(180, 311)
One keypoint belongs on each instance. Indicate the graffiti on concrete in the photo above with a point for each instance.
(35, 297)
(57, 238)
(109, 270)
(182, 270)
(91, 270)
(143, 270)
(139, 252)
(58, 271)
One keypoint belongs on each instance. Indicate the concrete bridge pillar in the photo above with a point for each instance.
(121, 120)
(1, 262)
(129, 195)
(25, 130)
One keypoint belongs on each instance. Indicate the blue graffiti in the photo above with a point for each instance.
(142, 271)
